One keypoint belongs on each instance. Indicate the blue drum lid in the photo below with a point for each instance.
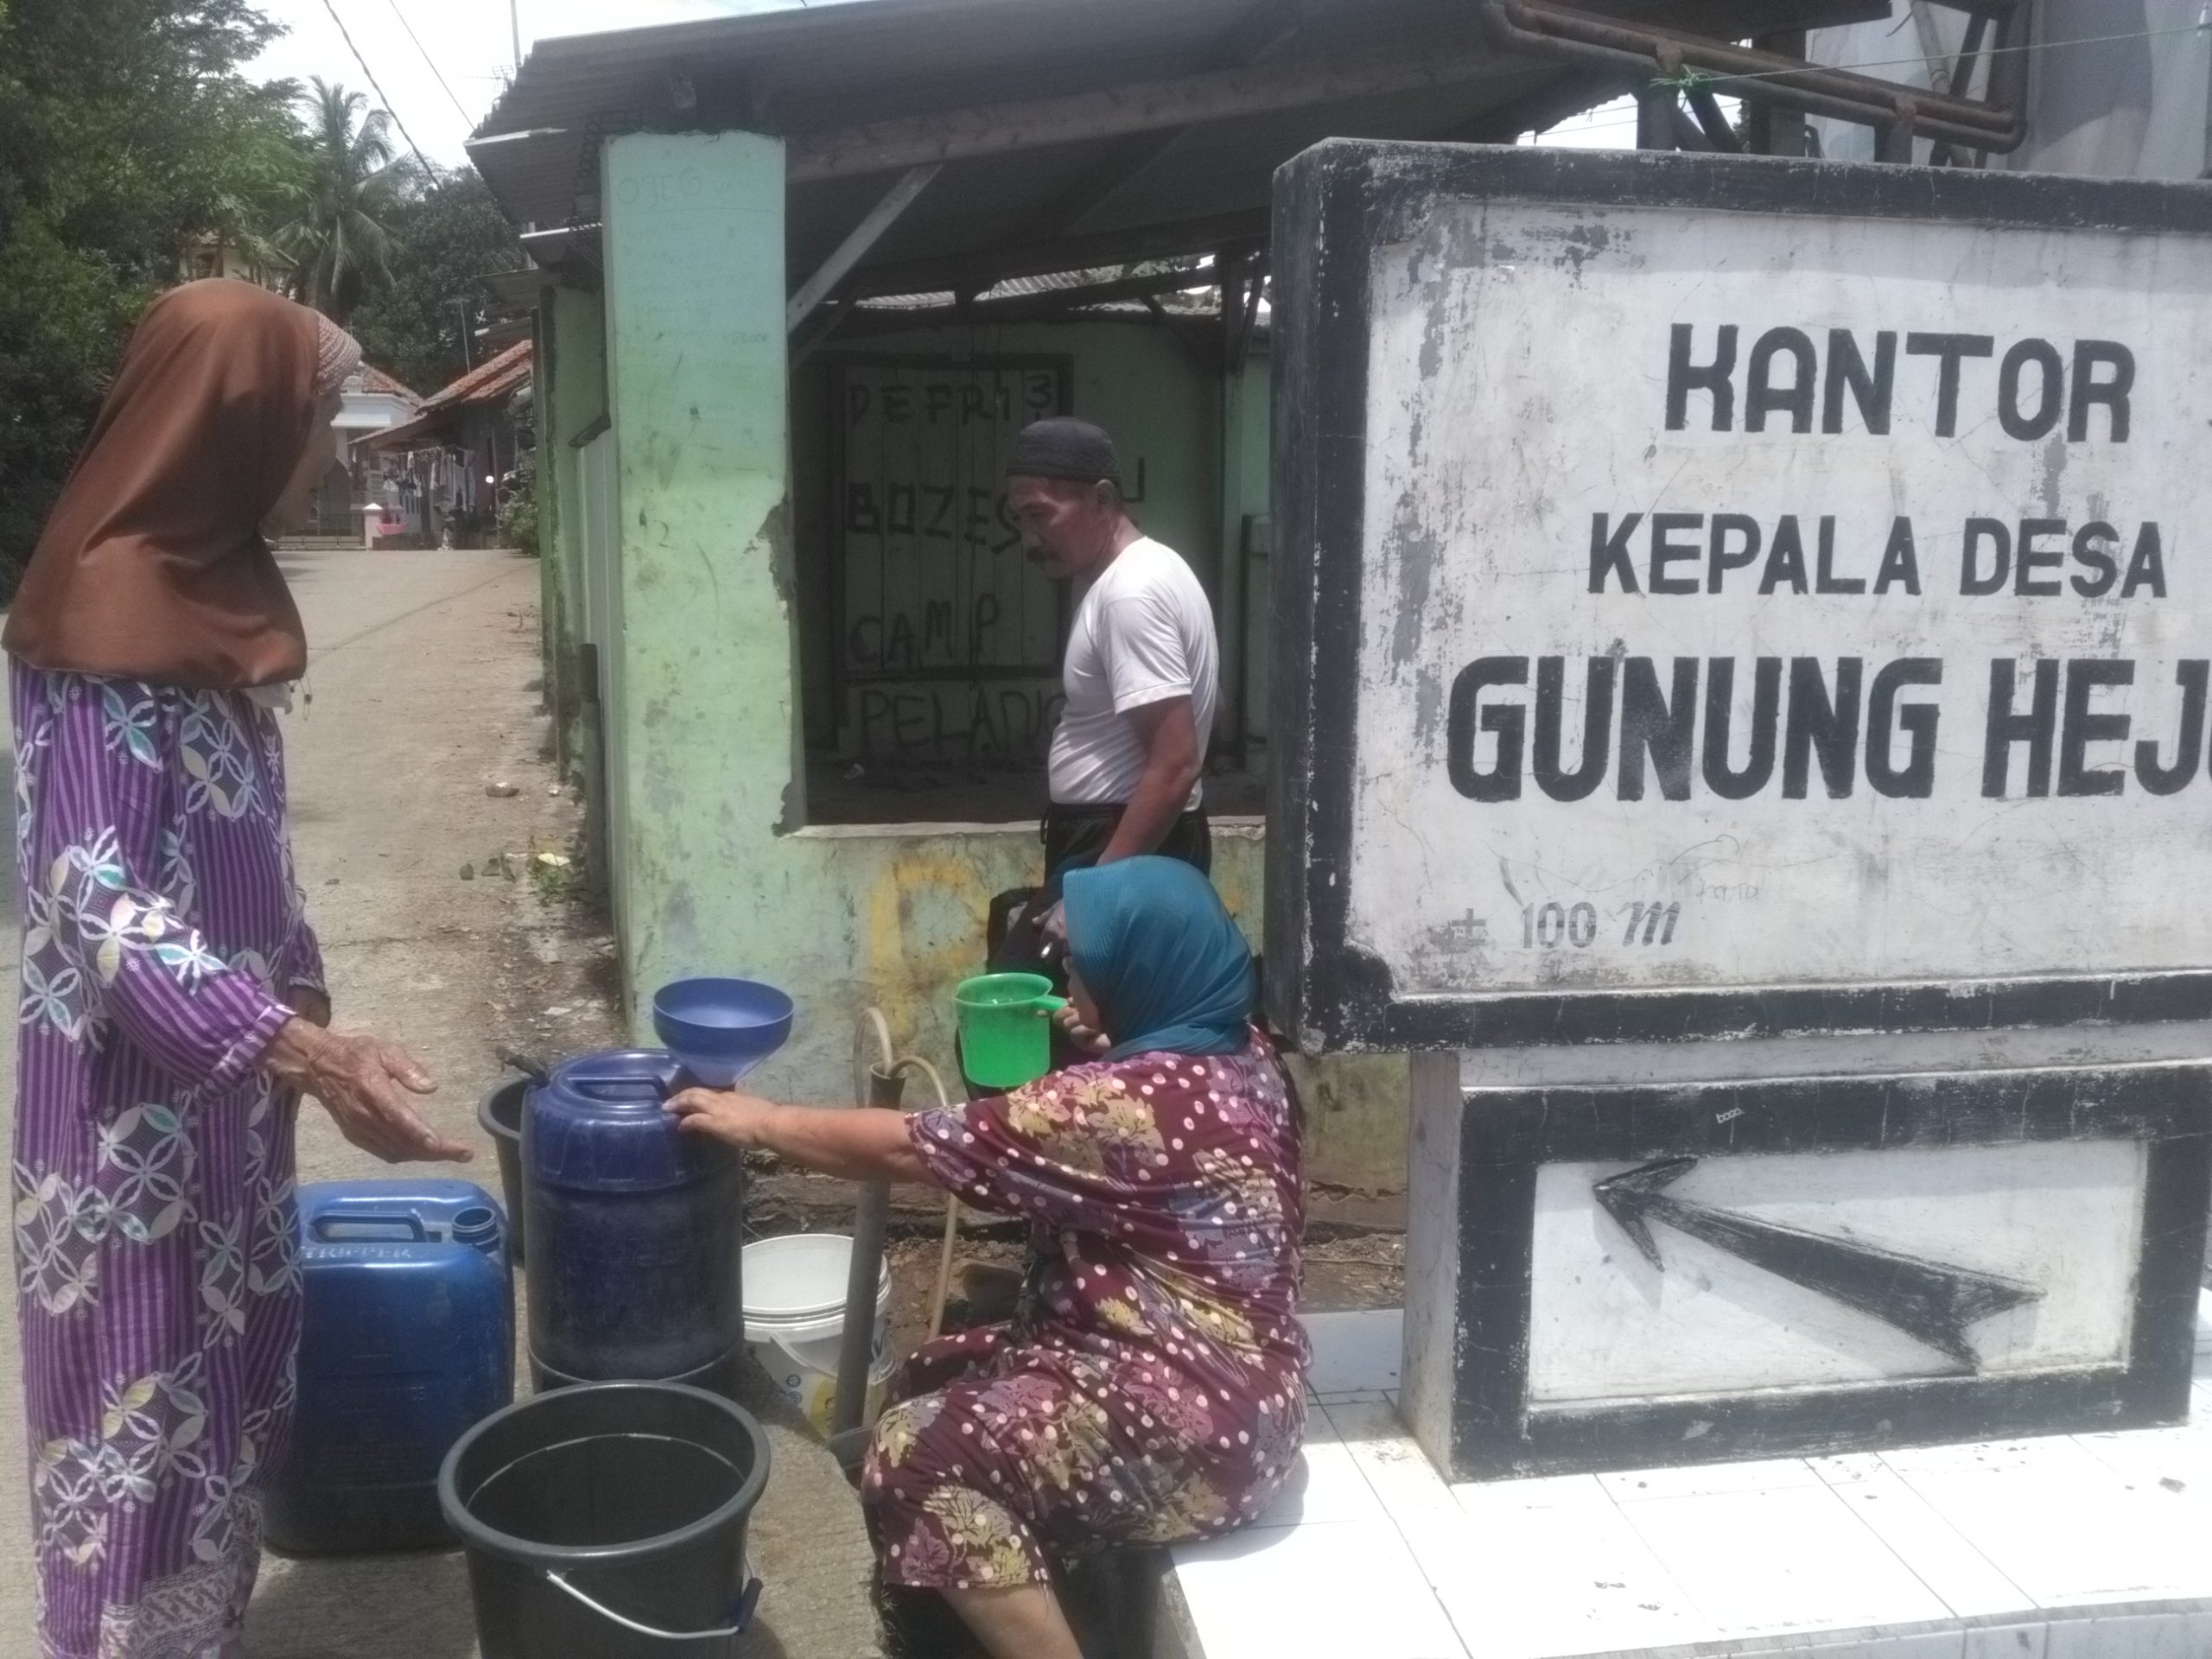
(597, 1125)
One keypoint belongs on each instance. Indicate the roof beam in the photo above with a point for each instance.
(1031, 308)
(1140, 106)
(1263, 32)
(863, 236)
(991, 265)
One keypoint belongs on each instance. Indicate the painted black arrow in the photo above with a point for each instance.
(1927, 1300)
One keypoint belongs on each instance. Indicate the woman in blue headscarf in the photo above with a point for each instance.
(1151, 1388)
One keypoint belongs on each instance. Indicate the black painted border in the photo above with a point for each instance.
(1506, 1136)
(1334, 206)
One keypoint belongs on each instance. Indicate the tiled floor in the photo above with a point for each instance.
(2080, 1547)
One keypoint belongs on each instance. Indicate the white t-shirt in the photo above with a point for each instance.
(1142, 633)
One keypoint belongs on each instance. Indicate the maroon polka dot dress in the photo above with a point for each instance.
(1152, 1388)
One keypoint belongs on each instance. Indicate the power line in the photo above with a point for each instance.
(420, 159)
(432, 64)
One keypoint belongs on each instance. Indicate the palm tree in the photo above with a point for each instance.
(340, 248)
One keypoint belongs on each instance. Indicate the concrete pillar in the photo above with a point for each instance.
(572, 355)
(1233, 625)
(702, 728)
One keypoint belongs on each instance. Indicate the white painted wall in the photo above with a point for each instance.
(1518, 375)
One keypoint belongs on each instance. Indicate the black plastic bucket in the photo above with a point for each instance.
(608, 1522)
(500, 1114)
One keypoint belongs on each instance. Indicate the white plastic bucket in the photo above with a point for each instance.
(795, 1320)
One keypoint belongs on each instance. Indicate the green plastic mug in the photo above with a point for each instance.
(1006, 1028)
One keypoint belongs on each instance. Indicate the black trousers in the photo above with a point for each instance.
(1073, 838)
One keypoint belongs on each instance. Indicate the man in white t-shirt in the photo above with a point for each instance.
(1141, 674)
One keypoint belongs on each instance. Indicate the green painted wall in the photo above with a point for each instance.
(713, 870)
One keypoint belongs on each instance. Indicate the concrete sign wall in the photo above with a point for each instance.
(1737, 598)
(1607, 1277)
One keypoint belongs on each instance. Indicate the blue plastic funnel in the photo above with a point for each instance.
(720, 1029)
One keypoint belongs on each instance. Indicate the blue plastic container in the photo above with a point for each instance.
(720, 1029)
(408, 1340)
(635, 1231)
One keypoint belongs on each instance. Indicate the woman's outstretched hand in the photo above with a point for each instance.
(1072, 1026)
(856, 1144)
(722, 1113)
(364, 1083)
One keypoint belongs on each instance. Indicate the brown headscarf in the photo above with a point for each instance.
(152, 566)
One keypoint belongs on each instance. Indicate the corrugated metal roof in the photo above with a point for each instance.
(827, 69)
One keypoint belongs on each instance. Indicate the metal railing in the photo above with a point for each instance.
(1670, 60)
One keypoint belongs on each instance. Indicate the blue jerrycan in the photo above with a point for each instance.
(407, 1340)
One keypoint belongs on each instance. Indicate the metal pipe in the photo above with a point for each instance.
(1554, 29)
(1963, 78)
(871, 1221)
(1714, 121)
(1688, 134)
(1769, 130)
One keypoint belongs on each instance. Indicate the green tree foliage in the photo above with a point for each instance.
(339, 242)
(128, 135)
(518, 520)
(131, 142)
(445, 236)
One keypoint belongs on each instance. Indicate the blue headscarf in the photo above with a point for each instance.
(1157, 948)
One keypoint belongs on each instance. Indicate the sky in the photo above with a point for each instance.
(472, 45)
(469, 40)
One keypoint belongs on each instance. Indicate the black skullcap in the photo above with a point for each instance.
(1063, 448)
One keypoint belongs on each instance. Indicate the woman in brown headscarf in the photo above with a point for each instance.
(173, 1004)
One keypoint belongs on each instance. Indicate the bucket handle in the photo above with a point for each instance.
(741, 1613)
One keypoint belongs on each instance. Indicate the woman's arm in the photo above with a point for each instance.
(860, 1144)
(98, 900)
(103, 909)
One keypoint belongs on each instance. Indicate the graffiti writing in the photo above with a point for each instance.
(895, 644)
(975, 518)
(948, 723)
(932, 583)
(991, 398)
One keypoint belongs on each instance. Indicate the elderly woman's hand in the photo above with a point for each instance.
(363, 1082)
(1070, 1021)
(724, 1114)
